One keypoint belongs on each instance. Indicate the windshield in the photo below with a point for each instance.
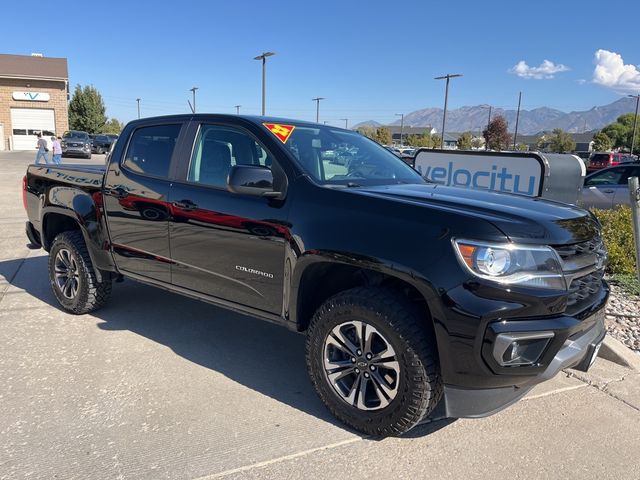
(339, 157)
(82, 135)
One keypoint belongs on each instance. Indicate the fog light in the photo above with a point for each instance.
(518, 349)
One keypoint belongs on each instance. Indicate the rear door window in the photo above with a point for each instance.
(150, 150)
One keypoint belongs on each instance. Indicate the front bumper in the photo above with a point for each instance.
(578, 349)
(75, 151)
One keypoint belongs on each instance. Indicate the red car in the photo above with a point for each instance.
(609, 159)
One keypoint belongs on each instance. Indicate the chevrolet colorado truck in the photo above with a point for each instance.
(410, 293)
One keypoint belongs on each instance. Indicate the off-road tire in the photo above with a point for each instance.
(91, 294)
(420, 385)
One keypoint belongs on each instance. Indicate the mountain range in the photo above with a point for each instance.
(531, 121)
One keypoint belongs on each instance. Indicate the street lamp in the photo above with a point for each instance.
(401, 115)
(237, 107)
(515, 134)
(346, 122)
(448, 77)
(317, 100)
(193, 91)
(138, 100)
(635, 122)
(263, 57)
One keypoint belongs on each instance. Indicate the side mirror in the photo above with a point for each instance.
(252, 180)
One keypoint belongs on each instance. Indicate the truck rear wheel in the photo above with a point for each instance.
(72, 276)
(373, 362)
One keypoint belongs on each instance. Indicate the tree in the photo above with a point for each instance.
(561, 142)
(86, 110)
(522, 147)
(368, 132)
(423, 140)
(621, 131)
(496, 135)
(477, 142)
(383, 136)
(113, 125)
(602, 142)
(435, 140)
(465, 140)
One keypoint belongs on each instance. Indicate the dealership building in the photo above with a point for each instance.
(34, 92)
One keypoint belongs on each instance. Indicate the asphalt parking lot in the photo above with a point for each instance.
(158, 386)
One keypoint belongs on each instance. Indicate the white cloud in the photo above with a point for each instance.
(546, 70)
(611, 72)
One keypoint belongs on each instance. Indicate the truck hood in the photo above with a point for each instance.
(520, 218)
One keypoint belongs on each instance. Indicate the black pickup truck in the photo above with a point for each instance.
(409, 293)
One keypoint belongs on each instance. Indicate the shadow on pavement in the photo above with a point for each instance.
(262, 356)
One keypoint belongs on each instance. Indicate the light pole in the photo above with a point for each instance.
(515, 134)
(401, 115)
(635, 122)
(448, 77)
(263, 57)
(489, 121)
(193, 91)
(317, 100)
(237, 107)
(346, 122)
(138, 100)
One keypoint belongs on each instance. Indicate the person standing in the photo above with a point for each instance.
(56, 150)
(41, 145)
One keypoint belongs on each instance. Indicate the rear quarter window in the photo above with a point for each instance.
(150, 150)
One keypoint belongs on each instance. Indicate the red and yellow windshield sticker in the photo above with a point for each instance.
(282, 132)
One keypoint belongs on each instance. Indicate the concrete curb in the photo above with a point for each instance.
(616, 352)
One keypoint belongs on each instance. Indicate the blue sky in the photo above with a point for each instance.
(369, 59)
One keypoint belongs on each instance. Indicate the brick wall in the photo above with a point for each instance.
(57, 101)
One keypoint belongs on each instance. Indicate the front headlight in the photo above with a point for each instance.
(512, 264)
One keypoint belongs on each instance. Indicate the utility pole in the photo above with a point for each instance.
(317, 100)
(448, 77)
(346, 122)
(138, 100)
(517, 119)
(193, 91)
(263, 57)
(237, 107)
(489, 122)
(635, 124)
(401, 115)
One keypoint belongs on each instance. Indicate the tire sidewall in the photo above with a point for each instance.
(63, 242)
(339, 312)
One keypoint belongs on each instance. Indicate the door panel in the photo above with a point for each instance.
(135, 201)
(227, 245)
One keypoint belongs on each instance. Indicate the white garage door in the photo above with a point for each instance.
(26, 123)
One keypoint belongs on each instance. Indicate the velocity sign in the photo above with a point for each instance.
(500, 172)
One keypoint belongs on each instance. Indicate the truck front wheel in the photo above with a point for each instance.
(373, 362)
(72, 276)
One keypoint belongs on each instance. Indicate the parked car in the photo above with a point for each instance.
(608, 187)
(410, 293)
(101, 144)
(601, 160)
(112, 136)
(76, 143)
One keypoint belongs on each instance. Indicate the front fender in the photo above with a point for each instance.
(369, 264)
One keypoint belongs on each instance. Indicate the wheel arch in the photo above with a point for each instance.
(319, 276)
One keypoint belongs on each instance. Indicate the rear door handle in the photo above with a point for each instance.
(609, 190)
(185, 205)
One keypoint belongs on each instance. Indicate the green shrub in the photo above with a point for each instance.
(628, 283)
(617, 231)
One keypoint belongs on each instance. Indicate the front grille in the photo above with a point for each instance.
(585, 288)
(583, 263)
